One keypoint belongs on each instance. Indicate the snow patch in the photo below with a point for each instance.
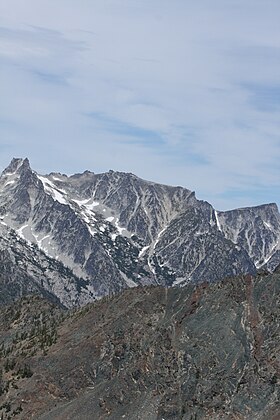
(51, 189)
(218, 221)
(268, 225)
(120, 229)
(10, 182)
(9, 173)
(179, 280)
(265, 260)
(151, 267)
(91, 231)
(159, 235)
(56, 179)
(88, 203)
(87, 214)
(20, 231)
(113, 236)
(143, 250)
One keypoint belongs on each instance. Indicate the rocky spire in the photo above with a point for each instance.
(17, 165)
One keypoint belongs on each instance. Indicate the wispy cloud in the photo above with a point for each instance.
(131, 133)
(172, 91)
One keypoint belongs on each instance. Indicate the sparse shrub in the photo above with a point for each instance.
(25, 371)
(9, 365)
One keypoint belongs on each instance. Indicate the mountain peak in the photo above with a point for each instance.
(16, 165)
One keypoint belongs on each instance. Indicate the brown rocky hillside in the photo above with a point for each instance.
(200, 352)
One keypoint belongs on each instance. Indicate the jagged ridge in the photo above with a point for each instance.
(115, 230)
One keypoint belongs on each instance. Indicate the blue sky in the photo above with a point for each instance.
(179, 92)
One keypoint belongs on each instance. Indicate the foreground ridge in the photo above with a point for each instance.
(206, 351)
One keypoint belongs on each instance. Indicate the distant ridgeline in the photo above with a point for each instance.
(75, 239)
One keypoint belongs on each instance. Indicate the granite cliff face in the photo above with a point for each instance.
(115, 230)
(25, 269)
(257, 230)
(209, 351)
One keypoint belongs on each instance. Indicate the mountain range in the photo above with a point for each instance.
(74, 239)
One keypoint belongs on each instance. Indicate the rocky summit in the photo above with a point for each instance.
(77, 238)
(207, 351)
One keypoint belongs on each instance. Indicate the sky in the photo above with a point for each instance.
(180, 92)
